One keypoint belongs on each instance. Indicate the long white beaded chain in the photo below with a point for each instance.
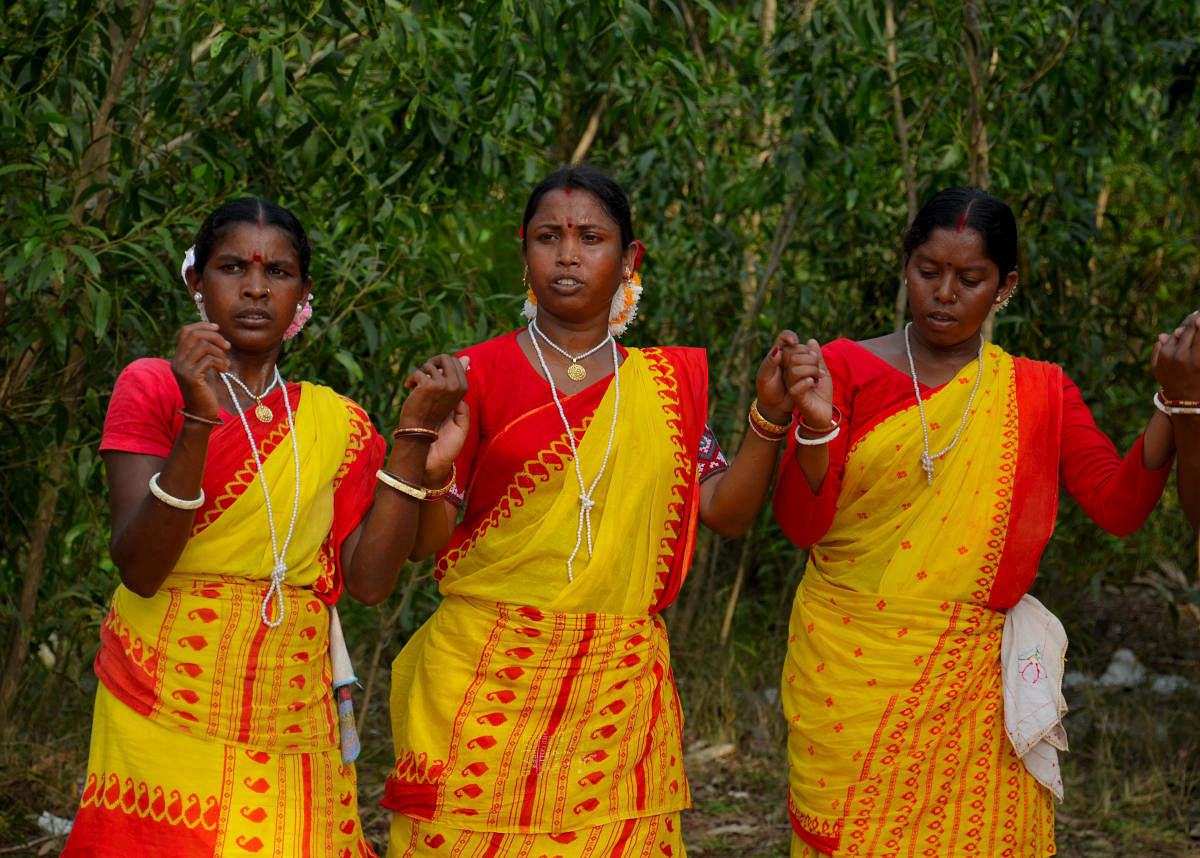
(575, 371)
(585, 494)
(927, 458)
(279, 570)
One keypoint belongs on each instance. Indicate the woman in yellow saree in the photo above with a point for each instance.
(921, 684)
(236, 519)
(535, 712)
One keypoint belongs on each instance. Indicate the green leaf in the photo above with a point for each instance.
(88, 258)
(352, 366)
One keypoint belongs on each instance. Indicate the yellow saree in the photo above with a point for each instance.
(892, 678)
(536, 713)
(215, 734)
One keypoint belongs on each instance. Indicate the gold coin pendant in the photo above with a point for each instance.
(576, 373)
(263, 413)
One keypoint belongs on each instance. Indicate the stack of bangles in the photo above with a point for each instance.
(1170, 407)
(770, 431)
(403, 486)
(819, 434)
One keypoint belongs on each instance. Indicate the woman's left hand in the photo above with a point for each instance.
(434, 391)
(1176, 360)
(452, 434)
(774, 401)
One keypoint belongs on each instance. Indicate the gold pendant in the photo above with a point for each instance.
(264, 414)
(575, 372)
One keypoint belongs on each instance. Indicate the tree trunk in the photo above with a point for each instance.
(910, 172)
(21, 630)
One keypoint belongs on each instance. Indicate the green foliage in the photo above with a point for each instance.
(760, 146)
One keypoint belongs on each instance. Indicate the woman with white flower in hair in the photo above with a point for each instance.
(535, 712)
(242, 505)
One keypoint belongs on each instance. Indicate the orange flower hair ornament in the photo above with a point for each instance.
(623, 310)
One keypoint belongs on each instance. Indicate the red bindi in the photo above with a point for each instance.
(570, 223)
(257, 256)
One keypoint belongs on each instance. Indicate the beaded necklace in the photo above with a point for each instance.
(279, 570)
(585, 494)
(927, 458)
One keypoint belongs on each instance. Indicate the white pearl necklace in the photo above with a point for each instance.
(279, 570)
(928, 458)
(575, 371)
(585, 494)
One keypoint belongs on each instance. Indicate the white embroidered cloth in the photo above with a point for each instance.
(1032, 655)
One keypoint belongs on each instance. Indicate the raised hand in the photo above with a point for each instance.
(1176, 360)
(809, 383)
(200, 353)
(774, 400)
(434, 391)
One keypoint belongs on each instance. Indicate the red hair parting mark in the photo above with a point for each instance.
(567, 190)
(962, 218)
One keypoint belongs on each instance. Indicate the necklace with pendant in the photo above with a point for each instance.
(575, 371)
(279, 569)
(927, 458)
(586, 503)
(261, 412)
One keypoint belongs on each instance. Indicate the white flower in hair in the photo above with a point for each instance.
(189, 261)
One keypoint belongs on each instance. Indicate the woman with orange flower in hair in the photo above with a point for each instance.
(535, 712)
(242, 504)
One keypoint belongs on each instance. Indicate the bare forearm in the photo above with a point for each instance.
(1158, 442)
(729, 502)
(149, 535)
(434, 530)
(814, 463)
(1187, 440)
(372, 562)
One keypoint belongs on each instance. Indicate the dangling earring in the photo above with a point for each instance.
(199, 299)
(1001, 305)
(303, 314)
(625, 303)
(529, 311)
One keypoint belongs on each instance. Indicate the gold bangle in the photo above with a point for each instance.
(764, 424)
(415, 432)
(822, 430)
(434, 494)
(405, 488)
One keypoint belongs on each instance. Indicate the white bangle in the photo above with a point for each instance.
(1172, 409)
(819, 440)
(394, 482)
(171, 500)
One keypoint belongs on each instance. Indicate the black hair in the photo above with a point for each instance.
(969, 208)
(255, 211)
(585, 177)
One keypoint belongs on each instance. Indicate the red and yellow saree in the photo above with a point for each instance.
(214, 734)
(532, 714)
(891, 685)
